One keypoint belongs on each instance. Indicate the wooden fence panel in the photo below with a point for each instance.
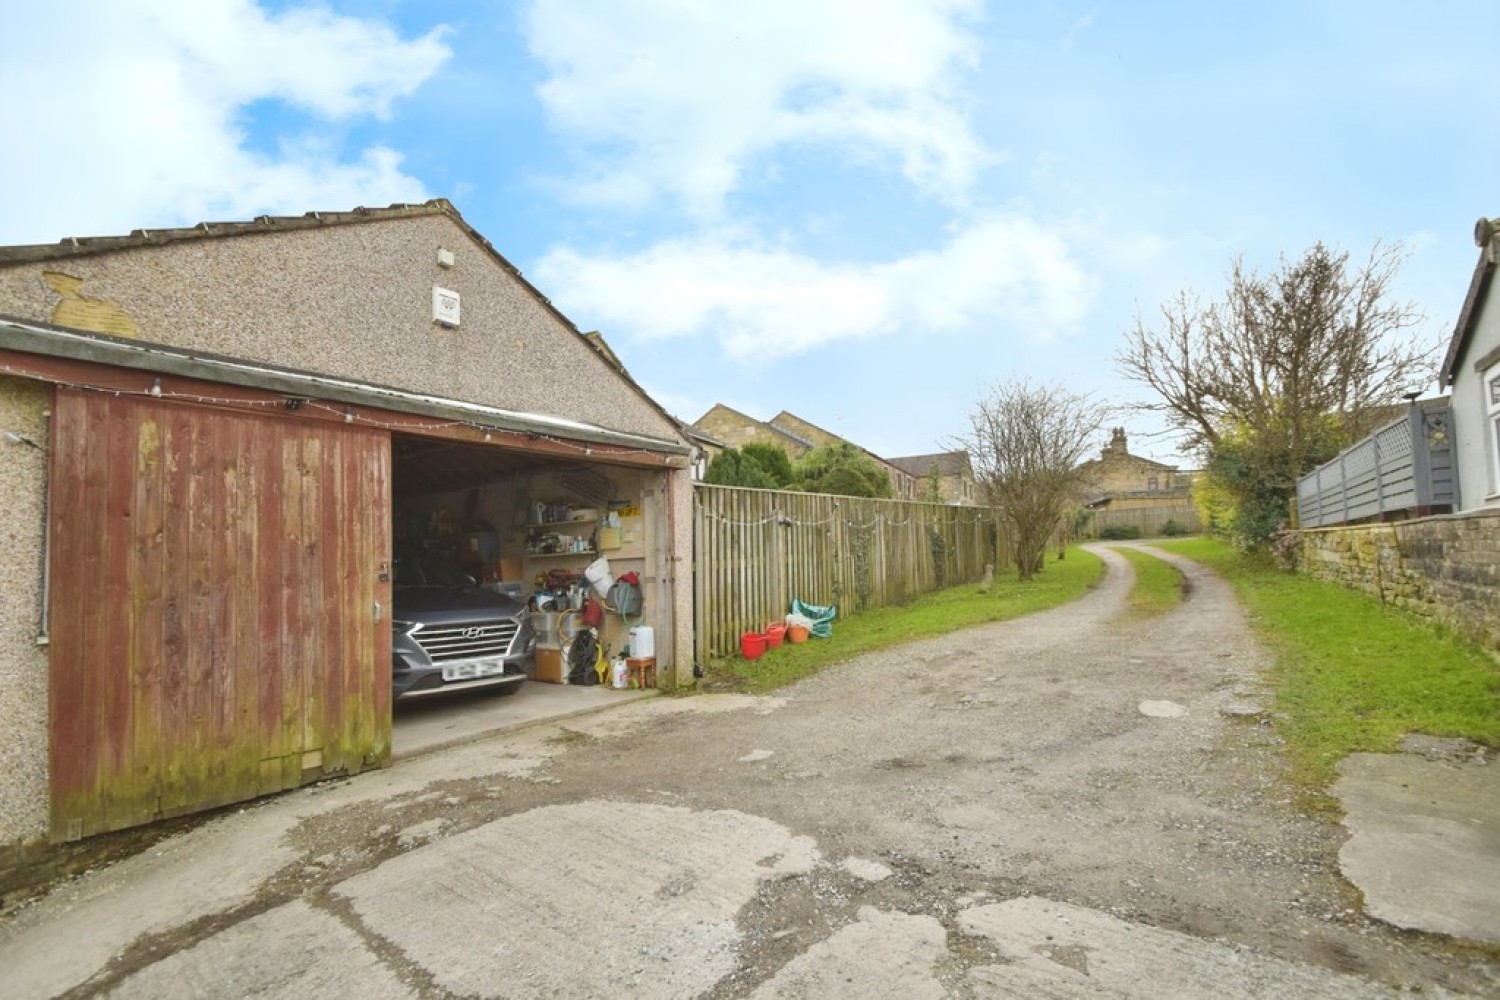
(1149, 521)
(756, 550)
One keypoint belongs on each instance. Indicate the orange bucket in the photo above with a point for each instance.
(796, 634)
(752, 645)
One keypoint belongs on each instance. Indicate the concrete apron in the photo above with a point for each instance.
(1424, 838)
(631, 899)
(425, 725)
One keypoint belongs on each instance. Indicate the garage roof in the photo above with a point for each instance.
(83, 246)
(58, 342)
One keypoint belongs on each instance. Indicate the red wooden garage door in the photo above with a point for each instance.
(218, 613)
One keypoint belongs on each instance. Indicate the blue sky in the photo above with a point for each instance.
(861, 211)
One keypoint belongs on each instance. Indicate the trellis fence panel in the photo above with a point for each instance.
(1405, 466)
(755, 550)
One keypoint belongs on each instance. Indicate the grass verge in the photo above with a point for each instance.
(1158, 585)
(1353, 674)
(932, 614)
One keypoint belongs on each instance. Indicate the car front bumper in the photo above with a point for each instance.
(415, 675)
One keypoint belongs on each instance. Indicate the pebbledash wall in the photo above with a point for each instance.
(1446, 567)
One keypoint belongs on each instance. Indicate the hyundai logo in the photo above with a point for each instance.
(474, 632)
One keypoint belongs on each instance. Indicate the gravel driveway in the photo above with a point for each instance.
(1053, 806)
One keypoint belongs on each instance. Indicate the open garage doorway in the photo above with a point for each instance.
(493, 547)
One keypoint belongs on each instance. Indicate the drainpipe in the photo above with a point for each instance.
(44, 630)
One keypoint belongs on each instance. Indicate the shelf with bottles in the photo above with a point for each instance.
(541, 556)
(545, 540)
(546, 515)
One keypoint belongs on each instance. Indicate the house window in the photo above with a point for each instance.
(1151, 483)
(1492, 415)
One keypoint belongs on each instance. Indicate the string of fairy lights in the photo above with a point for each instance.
(786, 520)
(155, 391)
(348, 413)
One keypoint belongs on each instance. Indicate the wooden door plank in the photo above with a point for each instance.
(374, 543)
(291, 637)
(309, 593)
(240, 568)
(270, 466)
(131, 790)
(355, 576)
(71, 759)
(337, 627)
(146, 608)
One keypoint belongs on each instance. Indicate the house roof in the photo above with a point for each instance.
(596, 340)
(772, 428)
(695, 434)
(778, 425)
(1120, 457)
(779, 421)
(82, 246)
(1103, 499)
(785, 415)
(949, 463)
(1485, 233)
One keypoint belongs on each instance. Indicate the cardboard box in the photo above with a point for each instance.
(549, 665)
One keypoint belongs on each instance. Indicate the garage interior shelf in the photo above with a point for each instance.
(535, 533)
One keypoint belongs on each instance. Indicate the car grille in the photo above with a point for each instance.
(467, 639)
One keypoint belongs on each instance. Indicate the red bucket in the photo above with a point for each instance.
(752, 645)
(775, 632)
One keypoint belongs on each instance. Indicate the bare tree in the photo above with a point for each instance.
(1296, 361)
(1026, 442)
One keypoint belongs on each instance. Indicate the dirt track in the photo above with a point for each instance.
(935, 819)
(1014, 759)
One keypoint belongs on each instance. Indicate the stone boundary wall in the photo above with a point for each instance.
(1446, 568)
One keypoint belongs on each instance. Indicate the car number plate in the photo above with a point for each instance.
(472, 669)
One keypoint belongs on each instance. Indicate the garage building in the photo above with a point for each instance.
(218, 443)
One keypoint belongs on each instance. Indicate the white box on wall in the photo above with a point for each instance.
(445, 306)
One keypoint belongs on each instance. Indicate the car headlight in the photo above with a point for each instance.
(405, 628)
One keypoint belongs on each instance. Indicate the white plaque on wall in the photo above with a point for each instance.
(444, 306)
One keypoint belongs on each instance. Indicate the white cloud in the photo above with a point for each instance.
(127, 114)
(680, 96)
(1004, 273)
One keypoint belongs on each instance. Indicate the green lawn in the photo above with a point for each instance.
(1351, 673)
(933, 614)
(1158, 585)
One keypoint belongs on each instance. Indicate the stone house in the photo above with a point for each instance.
(214, 439)
(724, 427)
(955, 474)
(792, 435)
(804, 430)
(1119, 480)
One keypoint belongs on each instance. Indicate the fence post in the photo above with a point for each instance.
(700, 585)
(1343, 488)
(1421, 459)
(1379, 474)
